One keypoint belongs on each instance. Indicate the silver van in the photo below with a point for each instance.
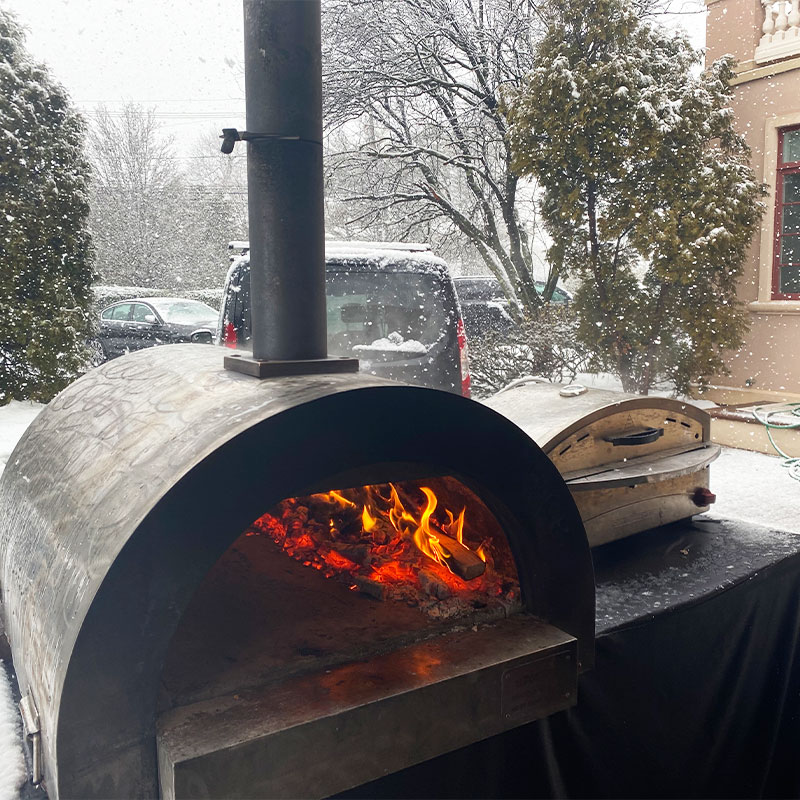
(391, 305)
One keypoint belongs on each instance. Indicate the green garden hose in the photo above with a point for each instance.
(763, 416)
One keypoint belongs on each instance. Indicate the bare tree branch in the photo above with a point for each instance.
(415, 127)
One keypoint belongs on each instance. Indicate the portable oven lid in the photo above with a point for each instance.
(602, 439)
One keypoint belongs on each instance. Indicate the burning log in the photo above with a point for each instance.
(387, 543)
(458, 559)
(372, 588)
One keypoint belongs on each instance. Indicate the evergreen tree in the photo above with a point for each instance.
(646, 189)
(45, 248)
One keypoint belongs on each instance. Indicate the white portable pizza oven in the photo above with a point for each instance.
(631, 463)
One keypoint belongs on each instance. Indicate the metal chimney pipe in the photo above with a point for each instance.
(283, 91)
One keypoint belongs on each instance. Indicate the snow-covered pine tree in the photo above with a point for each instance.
(646, 189)
(45, 248)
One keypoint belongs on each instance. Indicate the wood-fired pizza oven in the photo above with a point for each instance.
(249, 582)
(196, 608)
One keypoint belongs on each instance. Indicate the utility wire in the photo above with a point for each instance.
(91, 112)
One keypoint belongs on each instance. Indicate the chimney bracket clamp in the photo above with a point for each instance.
(231, 135)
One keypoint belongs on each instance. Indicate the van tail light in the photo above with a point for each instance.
(229, 337)
(463, 352)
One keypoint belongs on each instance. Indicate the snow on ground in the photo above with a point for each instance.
(14, 418)
(12, 763)
(756, 488)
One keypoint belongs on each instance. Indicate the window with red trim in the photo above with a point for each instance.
(786, 263)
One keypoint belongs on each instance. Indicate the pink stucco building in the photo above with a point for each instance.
(764, 36)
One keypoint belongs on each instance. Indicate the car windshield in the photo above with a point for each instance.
(384, 311)
(185, 312)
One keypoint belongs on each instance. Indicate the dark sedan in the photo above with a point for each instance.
(147, 321)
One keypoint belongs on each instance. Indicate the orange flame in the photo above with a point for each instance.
(419, 531)
(398, 514)
(455, 527)
(424, 538)
(395, 524)
(367, 520)
(336, 497)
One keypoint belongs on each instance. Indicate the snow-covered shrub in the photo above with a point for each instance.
(103, 296)
(543, 345)
(45, 247)
(211, 297)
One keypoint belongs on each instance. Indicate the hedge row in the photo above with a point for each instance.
(106, 295)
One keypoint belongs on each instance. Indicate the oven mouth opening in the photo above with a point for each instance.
(373, 626)
(338, 576)
(430, 544)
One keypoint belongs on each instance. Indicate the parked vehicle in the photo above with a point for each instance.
(148, 321)
(485, 306)
(391, 305)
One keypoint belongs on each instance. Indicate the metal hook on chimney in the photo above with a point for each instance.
(231, 135)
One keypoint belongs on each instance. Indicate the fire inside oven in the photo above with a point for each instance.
(331, 576)
(400, 542)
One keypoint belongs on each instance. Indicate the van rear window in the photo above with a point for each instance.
(371, 314)
(384, 311)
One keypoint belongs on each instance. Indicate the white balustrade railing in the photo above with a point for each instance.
(781, 30)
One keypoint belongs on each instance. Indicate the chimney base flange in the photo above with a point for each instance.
(256, 368)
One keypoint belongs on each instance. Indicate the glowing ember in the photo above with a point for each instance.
(392, 572)
(394, 541)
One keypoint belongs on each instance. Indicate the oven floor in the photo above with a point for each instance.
(320, 733)
(261, 616)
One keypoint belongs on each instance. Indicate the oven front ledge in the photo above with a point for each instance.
(319, 734)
